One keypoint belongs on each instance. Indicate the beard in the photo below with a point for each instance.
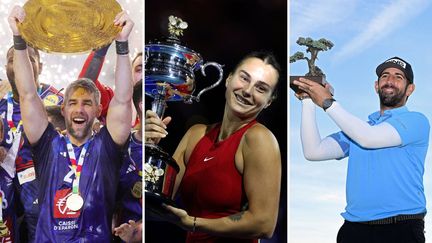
(79, 134)
(394, 99)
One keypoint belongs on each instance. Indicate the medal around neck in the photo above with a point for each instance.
(69, 26)
(74, 202)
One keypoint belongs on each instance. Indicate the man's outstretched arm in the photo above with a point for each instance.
(33, 112)
(119, 111)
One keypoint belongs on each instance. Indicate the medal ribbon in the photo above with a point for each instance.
(76, 167)
(10, 113)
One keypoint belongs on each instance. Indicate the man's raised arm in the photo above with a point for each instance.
(119, 111)
(33, 112)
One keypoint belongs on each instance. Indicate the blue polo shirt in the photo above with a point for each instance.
(388, 181)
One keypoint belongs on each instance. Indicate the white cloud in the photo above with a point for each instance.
(388, 18)
(310, 16)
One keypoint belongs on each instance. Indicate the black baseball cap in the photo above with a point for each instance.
(399, 63)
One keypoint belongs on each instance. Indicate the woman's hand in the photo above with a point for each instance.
(155, 128)
(184, 221)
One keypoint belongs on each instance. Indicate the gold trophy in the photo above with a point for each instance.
(69, 26)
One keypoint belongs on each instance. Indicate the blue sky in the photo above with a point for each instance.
(364, 33)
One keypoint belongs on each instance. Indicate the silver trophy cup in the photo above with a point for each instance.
(169, 76)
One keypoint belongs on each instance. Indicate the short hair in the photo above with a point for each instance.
(268, 58)
(137, 94)
(84, 83)
(57, 119)
(139, 54)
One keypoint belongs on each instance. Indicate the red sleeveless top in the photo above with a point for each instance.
(212, 187)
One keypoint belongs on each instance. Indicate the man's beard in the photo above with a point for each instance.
(391, 100)
(79, 134)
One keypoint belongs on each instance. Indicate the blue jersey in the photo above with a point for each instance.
(97, 187)
(130, 186)
(388, 181)
(25, 179)
(8, 205)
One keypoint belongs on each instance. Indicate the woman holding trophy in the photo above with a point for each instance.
(230, 172)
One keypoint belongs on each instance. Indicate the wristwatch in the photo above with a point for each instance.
(327, 103)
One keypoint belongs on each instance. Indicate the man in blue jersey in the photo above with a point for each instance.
(78, 172)
(18, 148)
(385, 193)
(130, 186)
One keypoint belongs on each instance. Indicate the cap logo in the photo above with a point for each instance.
(398, 62)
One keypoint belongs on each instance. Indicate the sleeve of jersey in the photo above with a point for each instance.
(315, 148)
(413, 127)
(110, 149)
(379, 136)
(93, 64)
(343, 141)
(42, 150)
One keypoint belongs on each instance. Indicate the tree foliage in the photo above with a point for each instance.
(313, 47)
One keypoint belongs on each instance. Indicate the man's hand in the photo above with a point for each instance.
(130, 232)
(123, 20)
(302, 95)
(16, 15)
(315, 91)
(155, 128)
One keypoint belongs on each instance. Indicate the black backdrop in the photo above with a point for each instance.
(223, 31)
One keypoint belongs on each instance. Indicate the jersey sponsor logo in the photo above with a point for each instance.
(130, 169)
(66, 225)
(208, 158)
(26, 175)
(61, 211)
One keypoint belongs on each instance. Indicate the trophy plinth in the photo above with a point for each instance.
(318, 79)
(160, 171)
(169, 76)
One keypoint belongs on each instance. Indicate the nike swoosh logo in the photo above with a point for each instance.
(207, 159)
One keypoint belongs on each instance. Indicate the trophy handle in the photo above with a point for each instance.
(203, 67)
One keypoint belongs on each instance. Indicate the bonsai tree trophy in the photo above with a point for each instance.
(313, 47)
